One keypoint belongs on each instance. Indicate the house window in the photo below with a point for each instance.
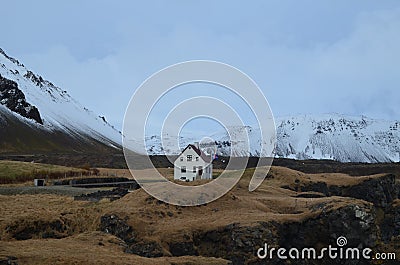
(197, 158)
(194, 169)
(189, 157)
(181, 158)
(183, 169)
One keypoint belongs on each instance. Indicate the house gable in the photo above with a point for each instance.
(201, 154)
(190, 156)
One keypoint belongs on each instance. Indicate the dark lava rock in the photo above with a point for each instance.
(113, 195)
(116, 226)
(356, 223)
(234, 242)
(183, 249)
(104, 182)
(10, 260)
(239, 243)
(380, 191)
(390, 226)
(320, 187)
(14, 99)
(145, 249)
(38, 228)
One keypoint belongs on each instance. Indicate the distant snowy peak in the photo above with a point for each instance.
(330, 136)
(338, 137)
(35, 100)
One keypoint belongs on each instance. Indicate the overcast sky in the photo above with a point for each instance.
(307, 56)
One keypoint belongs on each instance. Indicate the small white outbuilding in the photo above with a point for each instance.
(193, 164)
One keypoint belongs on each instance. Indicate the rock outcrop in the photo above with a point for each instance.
(14, 99)
(112, 224)
(381, 191)
(358, 222)
(10, 260)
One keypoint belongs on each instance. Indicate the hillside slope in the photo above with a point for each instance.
(37, 116)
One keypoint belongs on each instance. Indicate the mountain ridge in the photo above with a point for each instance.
(343, 138)
(34, 108)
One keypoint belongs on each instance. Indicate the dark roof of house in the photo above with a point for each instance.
(205, 157)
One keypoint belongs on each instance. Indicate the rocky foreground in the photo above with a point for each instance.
(290, 209)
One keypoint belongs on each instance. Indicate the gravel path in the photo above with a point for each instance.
(58, 190)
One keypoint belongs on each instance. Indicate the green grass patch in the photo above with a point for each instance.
(17, 172)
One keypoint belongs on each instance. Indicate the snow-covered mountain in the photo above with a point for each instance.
(339, 137)
(37, 115)
(330, 136)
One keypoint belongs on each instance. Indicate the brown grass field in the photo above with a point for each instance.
(79, 241)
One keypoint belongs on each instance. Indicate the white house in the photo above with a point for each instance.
(193, 164)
